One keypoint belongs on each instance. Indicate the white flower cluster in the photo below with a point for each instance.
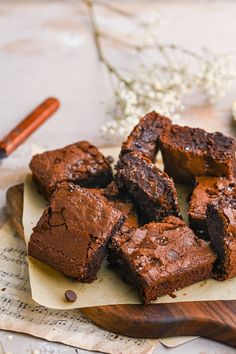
(163, 84)
(216, 76)
(134, 102)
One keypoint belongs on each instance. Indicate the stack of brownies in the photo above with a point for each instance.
(133, 217)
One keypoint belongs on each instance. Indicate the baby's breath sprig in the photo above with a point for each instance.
(158, 84)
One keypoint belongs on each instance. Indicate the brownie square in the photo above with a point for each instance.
(72, 234)
(144, 137)
(150, 188)
(221, 219)
(160, 258)
(80, 163)
(189, 152)
(207, 190)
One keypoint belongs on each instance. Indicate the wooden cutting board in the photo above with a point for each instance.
(212, 319)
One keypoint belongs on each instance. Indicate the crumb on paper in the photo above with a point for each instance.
(10, 337)
(3, 289)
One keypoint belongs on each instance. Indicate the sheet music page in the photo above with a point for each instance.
(18, 312)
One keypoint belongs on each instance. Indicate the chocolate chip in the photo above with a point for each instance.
(3, 289)
(70, 296)
(137, 145)
(110, 159)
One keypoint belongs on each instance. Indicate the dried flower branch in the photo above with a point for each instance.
(161, 84)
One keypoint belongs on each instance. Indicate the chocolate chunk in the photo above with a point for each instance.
(110, 159)
(70, 296)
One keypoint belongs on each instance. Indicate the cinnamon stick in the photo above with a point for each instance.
(28, 125)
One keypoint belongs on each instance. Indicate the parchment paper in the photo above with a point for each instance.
(48, 286)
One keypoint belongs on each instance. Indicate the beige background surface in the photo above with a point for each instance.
(46, 49)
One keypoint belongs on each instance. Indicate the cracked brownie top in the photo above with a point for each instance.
(80, 163)
(72, 230)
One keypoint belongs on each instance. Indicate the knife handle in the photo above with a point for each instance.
(28, 125)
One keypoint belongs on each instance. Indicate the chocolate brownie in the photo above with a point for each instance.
(120, 201)
(80, 163)
(160, 258)
(72, 234)
(221, 219)
(189, 152)
(150, 188)
(144, 137)
(207, 190)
